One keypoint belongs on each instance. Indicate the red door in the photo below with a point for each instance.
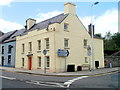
(30, 63)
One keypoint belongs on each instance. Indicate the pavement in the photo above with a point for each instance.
(63, 74)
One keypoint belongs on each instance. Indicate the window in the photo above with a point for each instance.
(39, 44)
(39, 61)
(85, 42)
(9, 48)
(22, 62)
(23, 48)
(86, 61)
(9, 59)
(65, 26)
(66, 43)
(48, 61)
(2, 49)
(30, 46)
(47, 43)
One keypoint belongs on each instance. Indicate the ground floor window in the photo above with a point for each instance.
(39, 61)
(22, 62)
(48, 61)
(9, 59)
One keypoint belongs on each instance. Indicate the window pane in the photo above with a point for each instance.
(23, 62)
(48, 61)
(39, 44)
(23, 47)
(47, 43)
(65, 26)
(85, 42)
(66, 43)
(30, 46)
(39, 61)
(9, 59)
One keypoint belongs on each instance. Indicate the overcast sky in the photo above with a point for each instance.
(14, 14)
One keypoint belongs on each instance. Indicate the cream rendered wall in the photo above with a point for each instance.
(99, 52)
(76, 34)
(33, 36)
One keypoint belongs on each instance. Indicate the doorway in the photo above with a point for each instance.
(29, 63)
(71, 68)
(97, 64)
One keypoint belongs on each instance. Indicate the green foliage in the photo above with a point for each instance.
(112, 42)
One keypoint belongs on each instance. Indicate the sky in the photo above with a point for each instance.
(14, 14)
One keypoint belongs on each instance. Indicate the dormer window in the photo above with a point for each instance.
(65, 26)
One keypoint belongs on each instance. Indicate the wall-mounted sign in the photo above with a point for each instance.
(89, 51)
(44, 52)
(63, 52)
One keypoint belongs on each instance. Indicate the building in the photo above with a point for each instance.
(8, 48)
(58, 36)
(1, 33)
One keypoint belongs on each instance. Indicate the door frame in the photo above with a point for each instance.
(29, 63)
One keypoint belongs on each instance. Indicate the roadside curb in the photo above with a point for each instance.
(61, 75)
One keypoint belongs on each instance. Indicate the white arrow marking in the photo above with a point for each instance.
(10, 78)
(69, 82)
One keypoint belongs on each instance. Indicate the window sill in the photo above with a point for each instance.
(66, 48)
(47, 68)
(39, 68)
(22, 53)
(38, 51)
(48, 49)
(30, 52)
(85, 46)
(66, 30)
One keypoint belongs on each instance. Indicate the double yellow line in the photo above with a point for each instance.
(104, 74)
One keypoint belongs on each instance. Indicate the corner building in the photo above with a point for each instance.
(65, 32)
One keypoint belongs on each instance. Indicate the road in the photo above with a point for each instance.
(21, 80)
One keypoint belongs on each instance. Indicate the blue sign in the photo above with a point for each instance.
(63, 53)
(44, 52)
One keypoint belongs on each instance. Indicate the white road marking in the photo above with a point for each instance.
(69, 82)
(45, 83)
(10, 78)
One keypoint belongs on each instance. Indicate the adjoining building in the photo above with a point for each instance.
(8, 48)
(66, 41)
(1, 33)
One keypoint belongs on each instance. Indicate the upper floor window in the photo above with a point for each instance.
(10, 49)
(85, 42)
(2, 49)
(30, 46)
(86, 61)
(23, 48)
(66, 43)
(65, 26)
(9, 59)
(39, 44)
(47, 43)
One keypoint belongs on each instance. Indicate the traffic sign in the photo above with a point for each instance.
(44, 52)
(63, 52)
(89, 51)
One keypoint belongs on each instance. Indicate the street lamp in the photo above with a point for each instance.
(92, 36)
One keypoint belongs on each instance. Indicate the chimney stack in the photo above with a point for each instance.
(89, 29)
(69, 8)
(29, 23)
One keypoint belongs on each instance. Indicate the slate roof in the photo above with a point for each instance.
(44, 24)
(6, 35)
(13, 37)
(116, 54)
(97, 37)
